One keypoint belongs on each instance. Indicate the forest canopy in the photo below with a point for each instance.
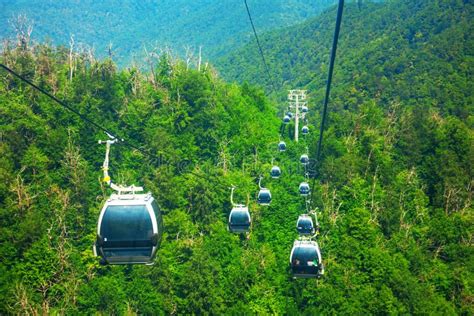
(393, 189)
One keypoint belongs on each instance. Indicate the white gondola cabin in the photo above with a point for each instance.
(305, 130)
(264, 197)
(305, 225)
(275, 173)
(304, 189)
(239, 219)
(305, 259)
(281, 146)
(304, 159)
(129, 229)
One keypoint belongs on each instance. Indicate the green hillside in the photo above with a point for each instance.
(393, 188)
(385, 50)
(217, 26)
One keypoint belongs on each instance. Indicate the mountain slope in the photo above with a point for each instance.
(393, 189)
(418, 55)
(129, 25)
(386, 49)
(410, 64)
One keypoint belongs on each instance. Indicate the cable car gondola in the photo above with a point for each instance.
(305, 259)
(281, 146)
(264, 196)
(239, 217)
(286, 119)
(304, 109)
(129, 229)
(305, 130)
(304, 188)
(304, 159)
(275, 173)
(304, 225)
(130, 226)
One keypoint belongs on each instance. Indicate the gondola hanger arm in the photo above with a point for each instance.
(316, 222)
(232, 195)
(105, 167)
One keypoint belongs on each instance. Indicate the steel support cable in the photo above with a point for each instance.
(69, 108)
(260, 48)
(337, 29)
(87, 120)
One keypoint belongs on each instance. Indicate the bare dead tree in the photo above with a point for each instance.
(23, 304)
(61, 240)
(90, 55)
(151, 57)
(224, 156)
(71, 57)
(199, 58)
(110, 52)
(468, 200)
(74, 163)
(58, 242)
(331, 203)
(189, 53)
(24, 199)
(135, 80)
(23, 28)
(255, 156)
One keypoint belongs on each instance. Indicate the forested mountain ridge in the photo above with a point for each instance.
(416, 56)
(386, 50)
(217, 26)
(394, 187)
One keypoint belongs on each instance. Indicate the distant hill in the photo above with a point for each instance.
(218, 26)
(397, 50)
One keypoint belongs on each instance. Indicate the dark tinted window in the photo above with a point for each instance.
(264, 196)
(239, 217)
(305, 223)
(126, 223)
(305, 255)
(157, 211)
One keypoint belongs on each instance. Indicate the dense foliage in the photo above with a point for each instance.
(217, 26)
(394, 187)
